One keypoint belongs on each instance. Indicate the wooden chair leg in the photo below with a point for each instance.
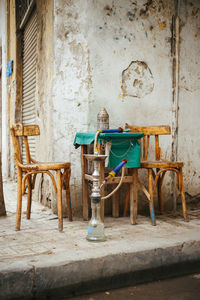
(183, 195)
(29, 198)
(19, 198)
(67, 173)
(127, 200)
(84, 167)
(134, 197)
(151, 206)
(59, 200)
(159, 193)
(115, 205)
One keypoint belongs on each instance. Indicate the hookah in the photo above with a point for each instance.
(96, 226)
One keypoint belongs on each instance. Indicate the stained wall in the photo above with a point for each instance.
(117, 55)
(189, 95)
(112, 54)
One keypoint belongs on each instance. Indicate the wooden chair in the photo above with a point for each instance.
(158, 167)
(32, 168)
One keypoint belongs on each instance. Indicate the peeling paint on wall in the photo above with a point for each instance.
(137, 80)
(90, 52)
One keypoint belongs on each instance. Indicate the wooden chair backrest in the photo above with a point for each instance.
(18, 130)
(150, 131)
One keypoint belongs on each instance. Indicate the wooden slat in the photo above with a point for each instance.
(149, 130)
(140, 141)
(27, 130)
(16, 145)
(28, 157)
(144, 189)
(112, 180)
(84, 168)
(147, 147)
(144, 148)
(157, 149)
(160, 164)
(30, 130)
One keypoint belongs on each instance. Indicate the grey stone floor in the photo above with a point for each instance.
(56, 259)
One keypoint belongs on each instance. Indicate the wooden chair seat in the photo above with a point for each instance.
(160, 164)
(157, 168)
(42, 166)
(27, 172)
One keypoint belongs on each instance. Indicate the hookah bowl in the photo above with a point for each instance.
(96, 226)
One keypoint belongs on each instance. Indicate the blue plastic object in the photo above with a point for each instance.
(112, 130)
(119, 166)
(9, 69)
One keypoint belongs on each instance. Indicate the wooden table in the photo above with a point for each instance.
(133, 157)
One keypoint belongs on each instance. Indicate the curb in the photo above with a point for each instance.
(55, 281)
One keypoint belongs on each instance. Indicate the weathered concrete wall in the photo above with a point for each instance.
(117, 55)
(5, 138)
(189, 89)
(2, 204)
(121, 33)
(113, 54)
(72, 86)
(8, 28)
(44, 106)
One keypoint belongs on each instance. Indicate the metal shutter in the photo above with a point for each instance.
(29, 77)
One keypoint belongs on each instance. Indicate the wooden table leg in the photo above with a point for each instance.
(159, 191)
(59, 200)
(2, 203)
(29, 197)
(115, 205)
(19, 198)
(127, 200)
(67, 174)
(180, 174)
(84, 168)
(134, 197)
(151, 206)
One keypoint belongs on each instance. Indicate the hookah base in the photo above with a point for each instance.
(96, 234)
(95, 239)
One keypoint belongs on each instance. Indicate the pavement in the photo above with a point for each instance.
(39, 262)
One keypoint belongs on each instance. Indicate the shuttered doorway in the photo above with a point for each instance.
(29, 56)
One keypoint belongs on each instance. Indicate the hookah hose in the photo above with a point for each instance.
(104, 131)
(112, 174)
(121, 165)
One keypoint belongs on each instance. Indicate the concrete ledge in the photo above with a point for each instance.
(70, 278)
(39, 262)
